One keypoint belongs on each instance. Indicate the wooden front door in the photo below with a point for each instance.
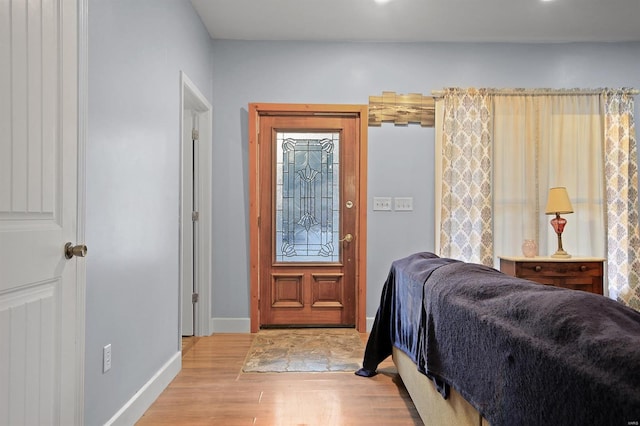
(308, 203)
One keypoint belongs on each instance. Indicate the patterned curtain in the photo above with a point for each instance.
(466, 231)
(621, 175)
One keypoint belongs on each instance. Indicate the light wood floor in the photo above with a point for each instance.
(211, 389)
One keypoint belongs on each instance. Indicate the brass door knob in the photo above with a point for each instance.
(70, 250)
(348, 238)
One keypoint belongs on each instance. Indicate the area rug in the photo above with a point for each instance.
(304, 350)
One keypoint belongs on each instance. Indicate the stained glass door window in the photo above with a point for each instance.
(307, 220)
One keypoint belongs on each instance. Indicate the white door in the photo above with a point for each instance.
(41, 291)
(190, 227)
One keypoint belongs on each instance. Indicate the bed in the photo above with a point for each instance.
(475, 346)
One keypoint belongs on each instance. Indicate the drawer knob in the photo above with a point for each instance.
(583, 268)
(538, 268)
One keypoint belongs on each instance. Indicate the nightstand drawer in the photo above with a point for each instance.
(559, 269)
(576, 274)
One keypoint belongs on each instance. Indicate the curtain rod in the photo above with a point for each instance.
(546, 91)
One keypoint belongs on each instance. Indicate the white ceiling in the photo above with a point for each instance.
(526, 21)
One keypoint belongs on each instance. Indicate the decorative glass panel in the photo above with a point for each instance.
(307, 218)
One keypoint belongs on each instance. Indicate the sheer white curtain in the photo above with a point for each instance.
(517, 144)
(543, 140)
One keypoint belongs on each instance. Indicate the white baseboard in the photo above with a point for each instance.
(370, 321)
(230, 325)
(243, 325)
(135, 408)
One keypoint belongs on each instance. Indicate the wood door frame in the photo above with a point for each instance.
(256, 110)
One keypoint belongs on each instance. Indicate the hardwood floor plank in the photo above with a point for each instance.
(211, 389)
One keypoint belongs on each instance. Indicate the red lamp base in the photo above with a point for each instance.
(558, 224)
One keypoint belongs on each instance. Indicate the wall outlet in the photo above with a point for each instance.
(382, 203)
(403, 203)
(106, 358)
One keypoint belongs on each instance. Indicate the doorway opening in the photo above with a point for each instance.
(195, 211)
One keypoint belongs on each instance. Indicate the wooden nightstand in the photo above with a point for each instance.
(577, 273)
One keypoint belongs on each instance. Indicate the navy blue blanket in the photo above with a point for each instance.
(520, 352)
(399, 321)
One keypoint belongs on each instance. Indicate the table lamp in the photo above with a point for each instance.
(558, 203)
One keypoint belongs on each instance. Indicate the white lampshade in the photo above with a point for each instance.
(558, 201)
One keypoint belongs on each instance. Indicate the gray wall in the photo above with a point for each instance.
(400, 158)
(136, 51)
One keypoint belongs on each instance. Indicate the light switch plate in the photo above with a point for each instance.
(382, 203)
(403, 203)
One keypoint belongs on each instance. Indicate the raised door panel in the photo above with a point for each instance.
(27, 331)
(287, 291)
(327, 291)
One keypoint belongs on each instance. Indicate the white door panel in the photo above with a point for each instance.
(39, 306)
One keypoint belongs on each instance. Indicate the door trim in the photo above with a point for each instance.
(256, 110)
(81, 180)
(191, 98)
